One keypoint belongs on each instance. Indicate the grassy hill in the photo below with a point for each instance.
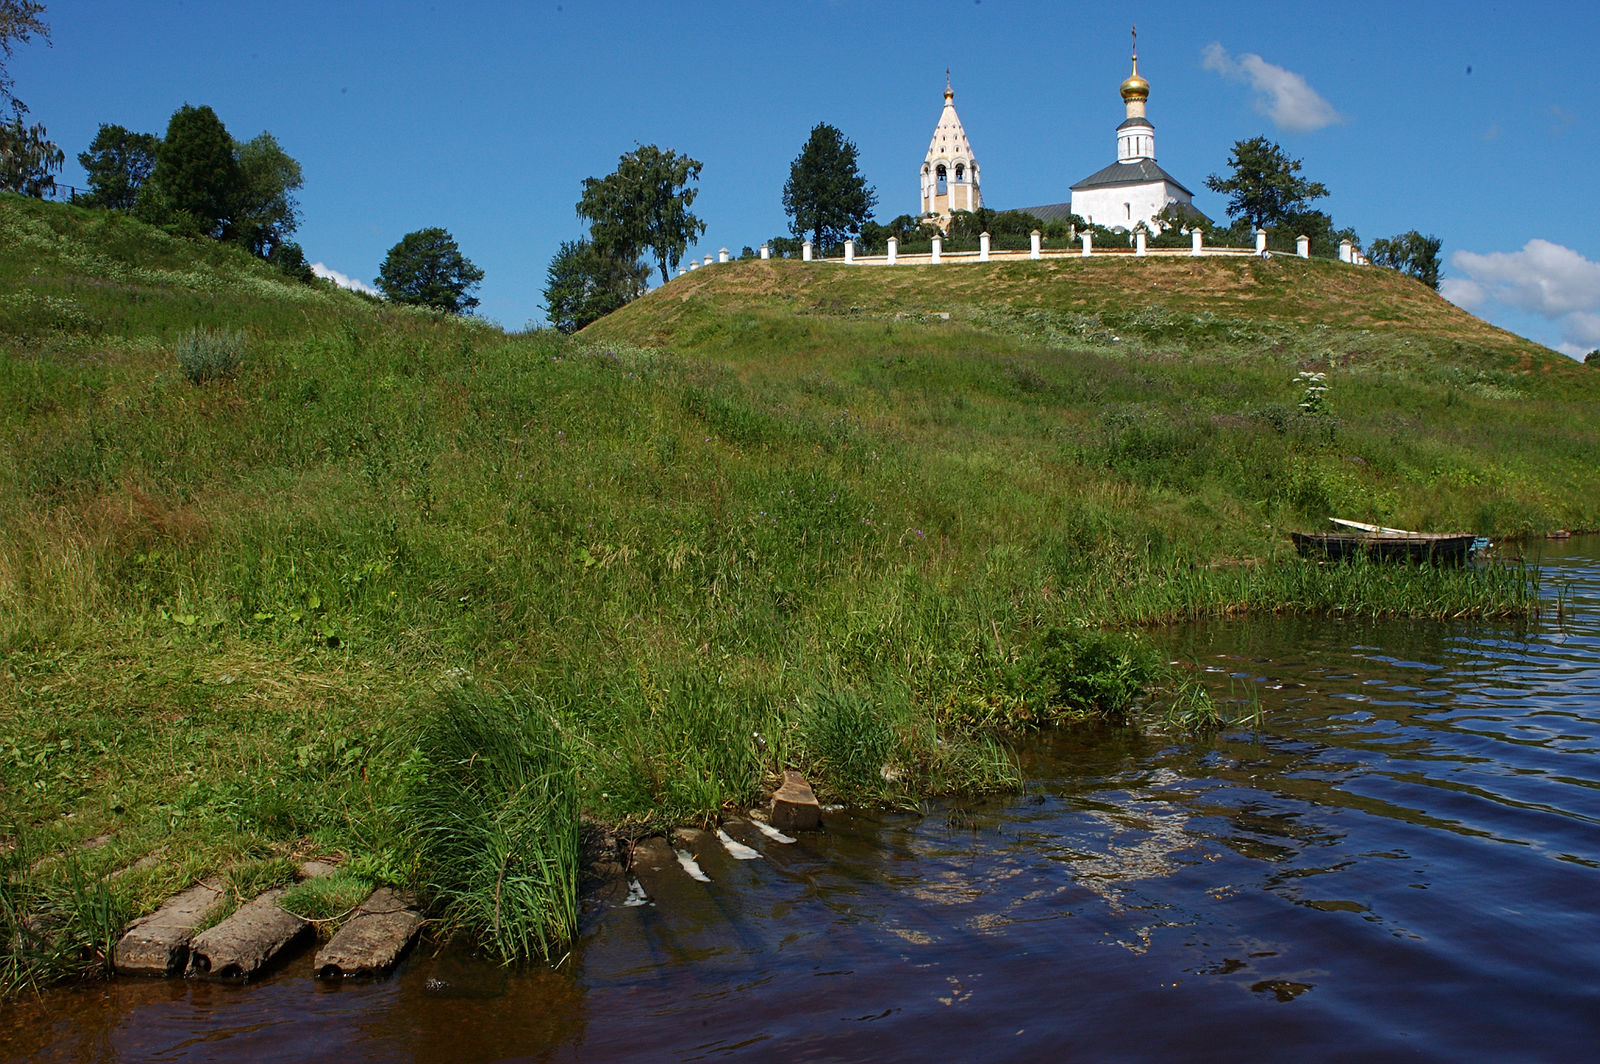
(401, 574)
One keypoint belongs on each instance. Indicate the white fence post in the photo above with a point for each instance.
(983, 247)
(1261, 241)
(894, 249)
(938, 249)
(766, 252)
(1034, 239)
(805, 251)
(849, 250)
(1302, 246)
(722, 255)
(682, 271)
(1088, 242)
(694, 264)
(1138, 243)
(1344, 250)
(1196, 240)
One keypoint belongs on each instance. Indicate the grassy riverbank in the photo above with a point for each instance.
(850, 520)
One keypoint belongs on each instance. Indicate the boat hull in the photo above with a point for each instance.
(1441, 548)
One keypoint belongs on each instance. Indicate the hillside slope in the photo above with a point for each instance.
(765, 515)
(1195, 298)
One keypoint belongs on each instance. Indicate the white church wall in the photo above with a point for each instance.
(1124, 206)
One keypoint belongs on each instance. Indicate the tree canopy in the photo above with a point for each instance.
(426, 269)
(118, 163)
(1265, 189)
(644, 206)
(264, 212)
(19, 23)
(196, 171)
(28, 159)
(1410, 253)
(826, 196)
(584, 284)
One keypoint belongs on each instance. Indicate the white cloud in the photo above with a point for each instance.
(1544, 278)
(1468, 295)
(1281, 95)
(343, 280)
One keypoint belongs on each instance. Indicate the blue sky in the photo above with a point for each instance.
(1472, 121)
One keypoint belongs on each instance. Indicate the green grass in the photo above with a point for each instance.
(492, 804)
(769, 515)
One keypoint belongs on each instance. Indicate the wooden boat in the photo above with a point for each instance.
(1387, 544)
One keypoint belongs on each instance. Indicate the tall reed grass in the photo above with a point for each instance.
(493, 806)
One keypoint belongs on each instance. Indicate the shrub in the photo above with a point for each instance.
(1092, 669)
(210, 354)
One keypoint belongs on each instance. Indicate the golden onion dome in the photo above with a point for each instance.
(1135, 88)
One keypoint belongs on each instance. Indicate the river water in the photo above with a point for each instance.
(1396, 854)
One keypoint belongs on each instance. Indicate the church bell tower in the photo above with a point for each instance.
(949, 171)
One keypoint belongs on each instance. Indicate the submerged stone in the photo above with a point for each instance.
(158, 944)
(246, 942)
(372, 940)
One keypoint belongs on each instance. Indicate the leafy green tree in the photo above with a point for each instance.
(28, 159)
(644, 206)
(1410, 253)
(826, 196)
(427, 269)
(784, 247)
(264, 213)
(1592, 358)
(19, 23)
(584, 284)
(196, 177)
(118, 163)
(1265, 189)
(908, 231)
(291, 259)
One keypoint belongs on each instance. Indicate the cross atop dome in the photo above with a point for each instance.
(1135, 88)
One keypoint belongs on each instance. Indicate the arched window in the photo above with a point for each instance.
(961, 173)
(941, 188)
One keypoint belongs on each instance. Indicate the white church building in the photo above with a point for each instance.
(1132, 190)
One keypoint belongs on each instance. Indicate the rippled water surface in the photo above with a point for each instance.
(1395, 854)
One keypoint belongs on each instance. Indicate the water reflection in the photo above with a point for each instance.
(1393, 854)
